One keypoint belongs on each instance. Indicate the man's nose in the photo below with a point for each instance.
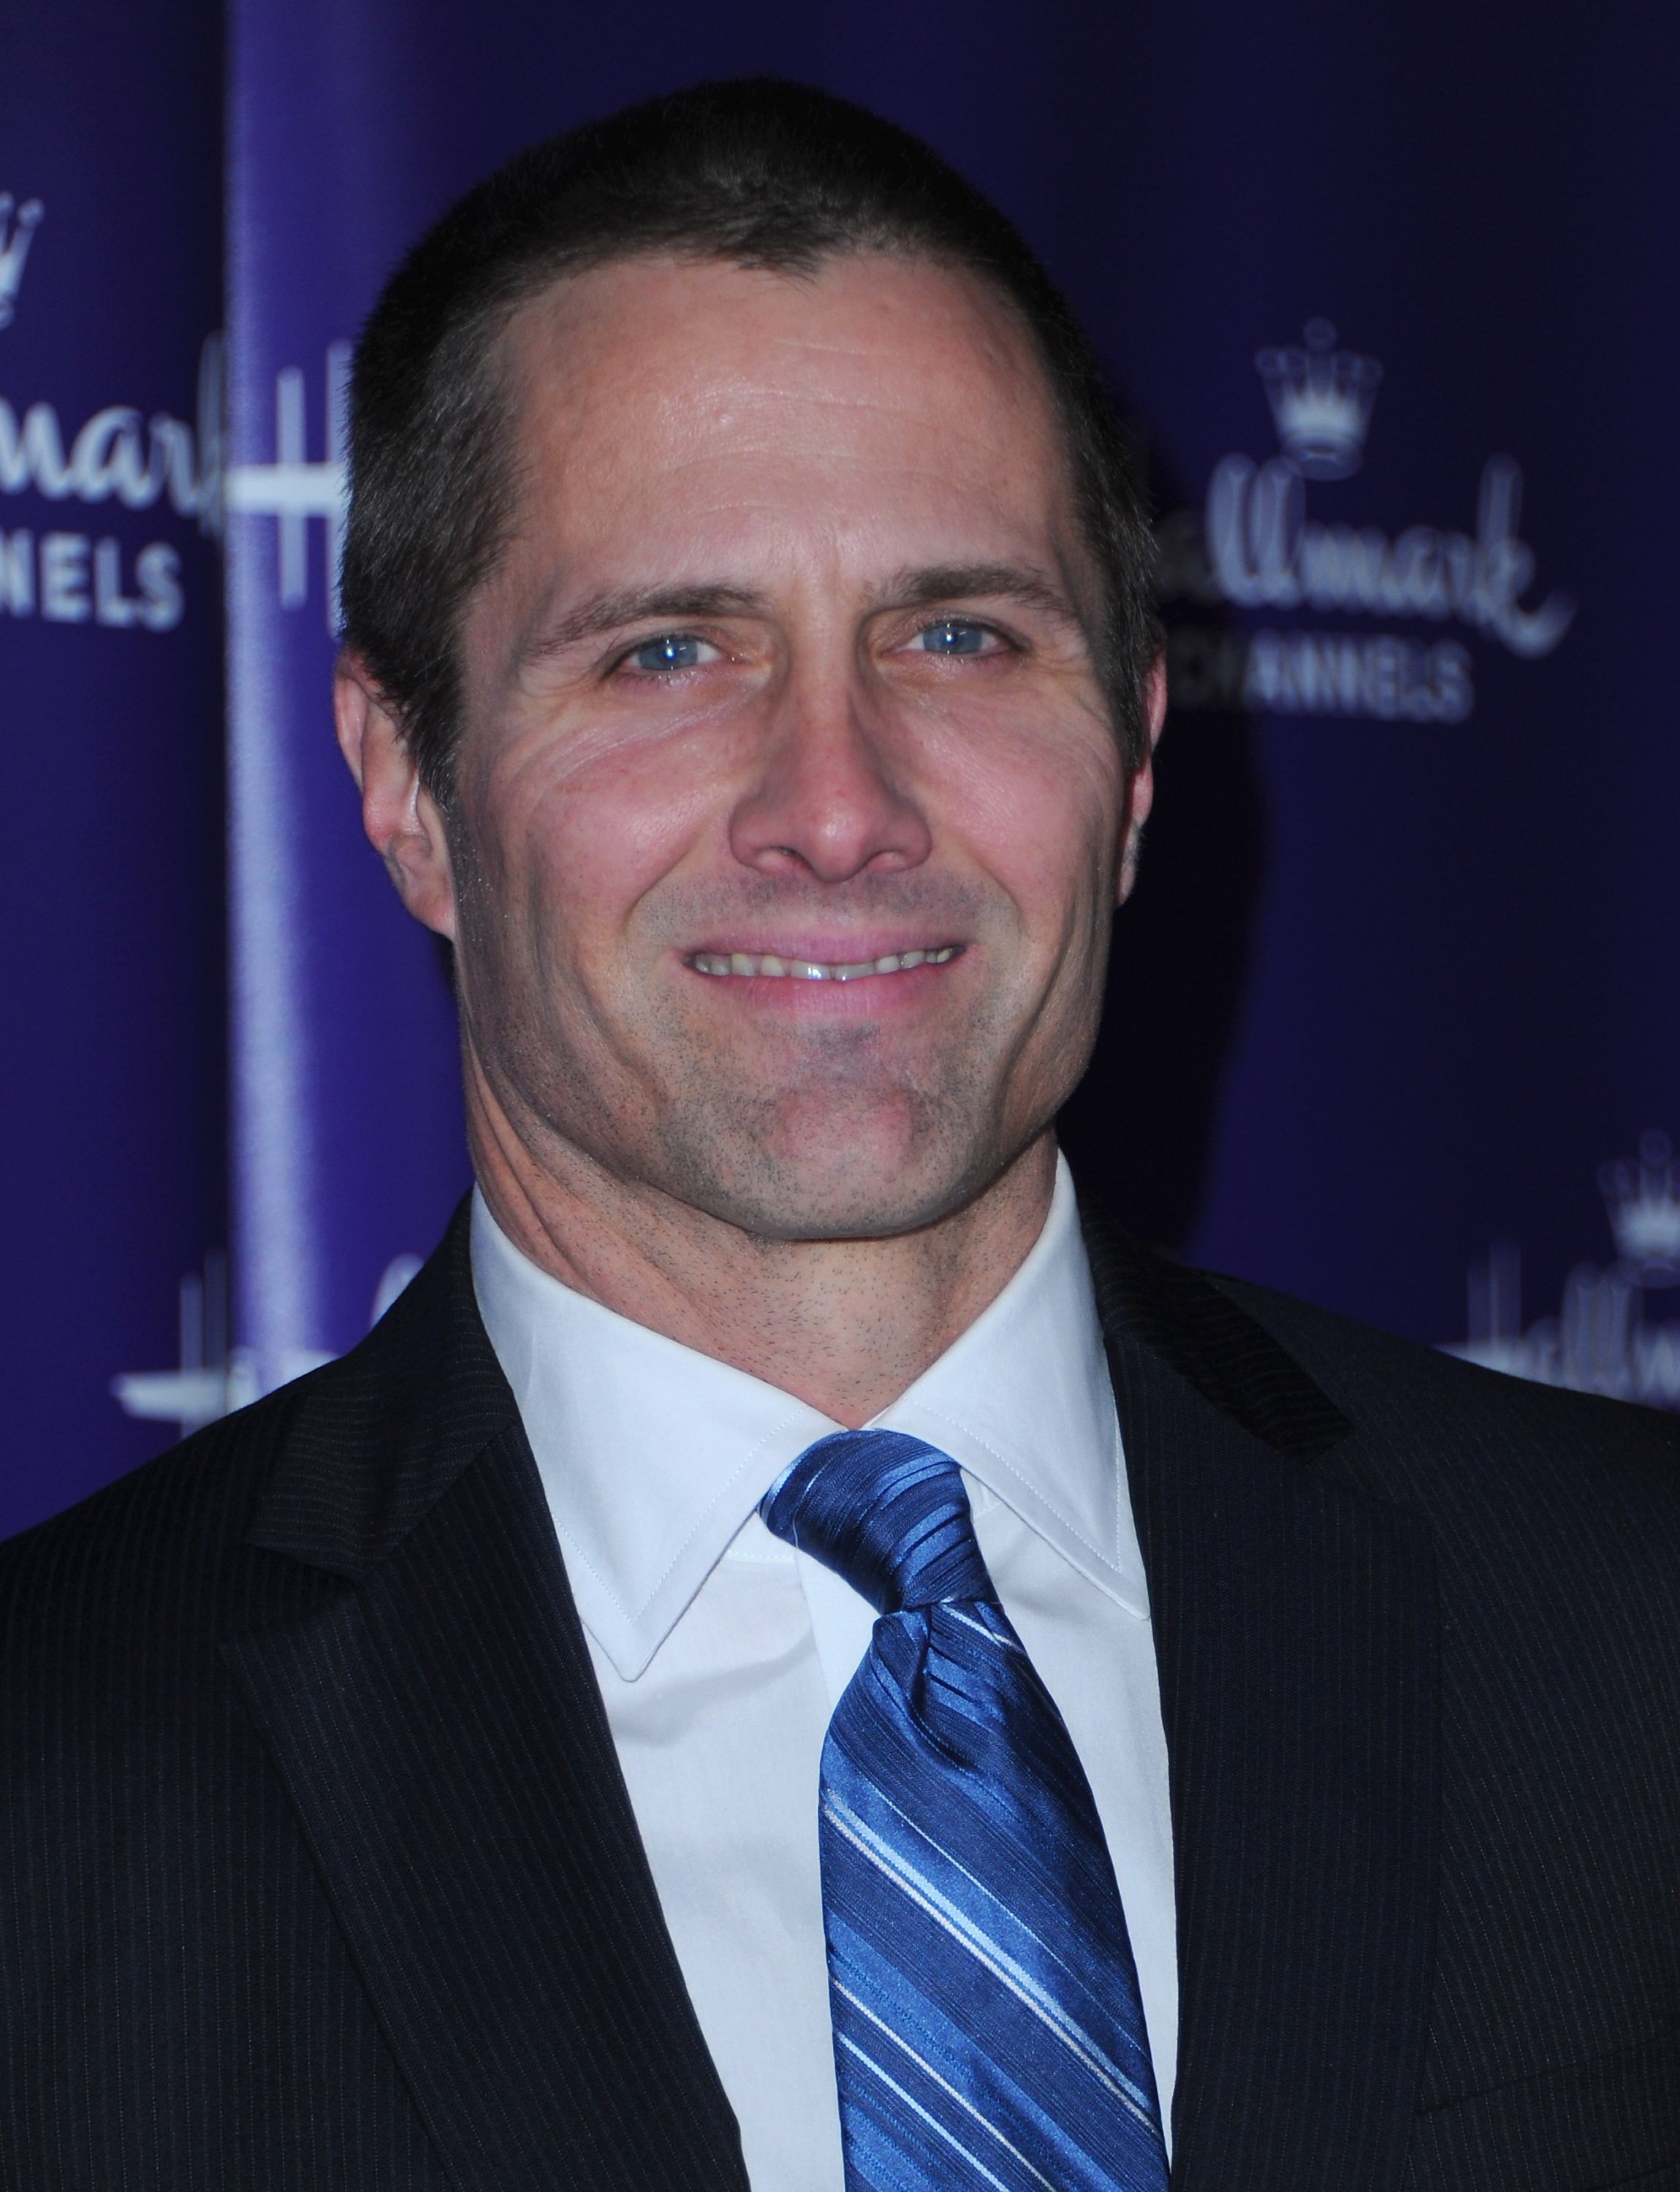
(831, 799)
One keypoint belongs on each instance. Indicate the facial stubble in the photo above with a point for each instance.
(796, 1132)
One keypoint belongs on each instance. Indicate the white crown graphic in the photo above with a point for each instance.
(1321, 400)
(15, 237)
(1643, 1200)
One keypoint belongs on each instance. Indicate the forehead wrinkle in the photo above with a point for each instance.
(776, 369)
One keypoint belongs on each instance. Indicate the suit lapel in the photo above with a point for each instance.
(437, 1727)
(1295, 1630)
(437, 1724)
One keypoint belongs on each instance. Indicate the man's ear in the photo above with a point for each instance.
(399, 814)
(1141, 789)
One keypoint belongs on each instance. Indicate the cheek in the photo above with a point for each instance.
(1041, 816)
(583, 842)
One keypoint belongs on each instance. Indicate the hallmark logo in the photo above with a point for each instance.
(117, 456)
(215, 1378)
(1264, 552)
(1253, 546)
(1602, 1341)
(1321, 402)
(17, 225)
(1644, 1202)
(294, 488)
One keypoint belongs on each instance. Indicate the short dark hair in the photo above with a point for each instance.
(756, 173)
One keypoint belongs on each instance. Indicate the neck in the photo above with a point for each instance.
(845, 1326)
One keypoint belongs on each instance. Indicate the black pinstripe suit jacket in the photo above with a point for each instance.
(316, 1869)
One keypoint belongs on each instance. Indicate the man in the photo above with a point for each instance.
(480, 1764)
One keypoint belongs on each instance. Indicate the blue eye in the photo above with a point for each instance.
(953, 636)
(672, 650)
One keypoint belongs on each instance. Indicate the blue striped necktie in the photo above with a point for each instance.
(988, 2031)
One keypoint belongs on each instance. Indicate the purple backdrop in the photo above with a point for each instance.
(1389, 297)
(112, 1117)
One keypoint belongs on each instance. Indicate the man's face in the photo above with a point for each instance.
(787, 668)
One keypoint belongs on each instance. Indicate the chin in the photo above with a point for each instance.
(841, 1179)
(835, 1216)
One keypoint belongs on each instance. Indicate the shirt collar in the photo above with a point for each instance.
(1022, 1400)
(653, 1455)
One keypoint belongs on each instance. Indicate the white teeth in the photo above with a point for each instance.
(761, 963)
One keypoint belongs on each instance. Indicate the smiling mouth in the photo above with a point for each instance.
(758, 965)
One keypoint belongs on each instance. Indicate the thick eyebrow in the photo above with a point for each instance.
(907, 590)
(967, 582)
(604, 613)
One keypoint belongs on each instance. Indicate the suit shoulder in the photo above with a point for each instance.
(180, 1509)
(185, 1531)
(1399, 1395)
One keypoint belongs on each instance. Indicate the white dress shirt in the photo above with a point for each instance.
(721, 1652)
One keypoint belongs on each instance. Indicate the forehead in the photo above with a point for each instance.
(672, 394)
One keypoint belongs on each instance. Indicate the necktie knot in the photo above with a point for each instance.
(886, 1511)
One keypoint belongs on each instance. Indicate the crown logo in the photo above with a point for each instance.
(1321, 402)
(1643, 1200)
(15, 236)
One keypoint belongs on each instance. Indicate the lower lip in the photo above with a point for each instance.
(861, 996)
